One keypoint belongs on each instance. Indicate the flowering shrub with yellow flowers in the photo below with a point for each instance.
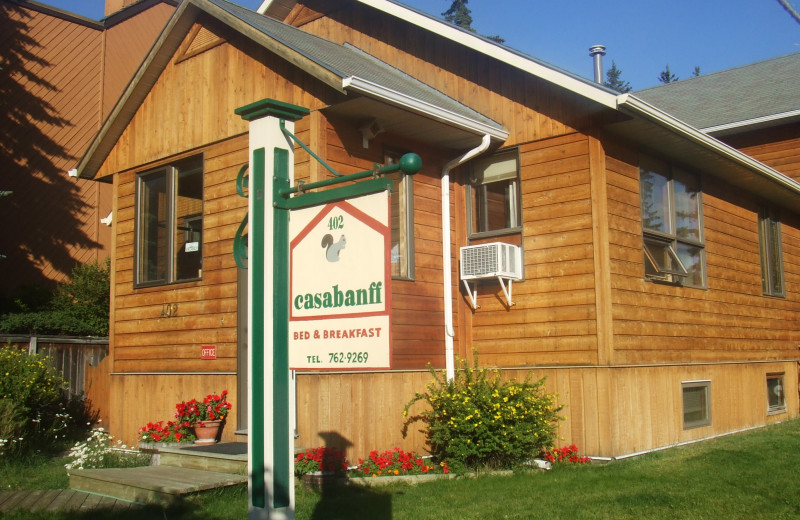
(37, 415)
(480, 420)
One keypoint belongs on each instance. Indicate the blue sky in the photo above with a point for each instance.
(641, 36)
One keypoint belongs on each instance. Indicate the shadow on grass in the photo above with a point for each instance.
(338, 501)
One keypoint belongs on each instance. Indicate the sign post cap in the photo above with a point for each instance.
(410, 163)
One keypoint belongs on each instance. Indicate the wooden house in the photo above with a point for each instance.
(61, 74)
(643, 241)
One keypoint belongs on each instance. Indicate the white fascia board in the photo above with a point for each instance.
(366, 87)
(648, 111)
(752, 122)
(452, 33)
(264, 6)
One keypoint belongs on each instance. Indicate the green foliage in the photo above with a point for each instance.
(41, 417)
(78, 306)
(459, 15)
(480, 420)
(666, 76)
(12, 421)
(614, 80)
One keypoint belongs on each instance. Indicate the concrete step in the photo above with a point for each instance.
(162, 485)
(225, 457)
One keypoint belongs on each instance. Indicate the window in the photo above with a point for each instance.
(169, 223)
(696, 404)
(402, 214)
(673, 243)
(493, 198)
(769, 237)
(776, 399)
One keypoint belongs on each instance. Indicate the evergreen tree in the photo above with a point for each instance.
(696, 71)
(667, 77)
(614, 81)
(459, 15)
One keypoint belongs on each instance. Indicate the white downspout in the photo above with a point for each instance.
(447, 284)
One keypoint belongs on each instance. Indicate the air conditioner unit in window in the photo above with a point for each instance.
(486, 261)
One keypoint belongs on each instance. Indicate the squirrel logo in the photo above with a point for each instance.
(332, 249)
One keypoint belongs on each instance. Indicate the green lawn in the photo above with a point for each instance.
(748, 475)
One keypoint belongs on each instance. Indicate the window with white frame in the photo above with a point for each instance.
(776, 398)
(402, 215)
(672, 227)
(169, 223)
(696, 403)
(493, 197)
(769, 237)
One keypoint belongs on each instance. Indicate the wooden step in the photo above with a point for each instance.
(227, 457)
(162, 485)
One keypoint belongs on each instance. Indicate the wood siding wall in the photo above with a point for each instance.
(608, 412)
(126, 45)
(731, 320)
(553, 320)
(143, 339)
(143, 398)
(778, 147)
(200, 94)
(51, 95)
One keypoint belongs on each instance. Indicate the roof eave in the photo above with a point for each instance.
(634, 106)
(393, 97)
(755, 123)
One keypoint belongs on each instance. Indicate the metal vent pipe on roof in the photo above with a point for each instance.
(597, 52)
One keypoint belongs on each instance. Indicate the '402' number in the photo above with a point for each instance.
(169, 310)
(336, 222)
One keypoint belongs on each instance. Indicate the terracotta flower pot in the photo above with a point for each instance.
(208, 433)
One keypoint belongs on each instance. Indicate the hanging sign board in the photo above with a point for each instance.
(340, 296)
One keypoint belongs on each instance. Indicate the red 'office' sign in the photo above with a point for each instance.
(208, 352)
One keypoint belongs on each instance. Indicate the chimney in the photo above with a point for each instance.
(597, 52)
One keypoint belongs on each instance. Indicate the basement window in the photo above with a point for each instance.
(169, 224)
(696, 404)
(776, 398)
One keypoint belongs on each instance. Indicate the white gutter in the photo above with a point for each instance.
(447, 267)
(629, 103)
(399, 99)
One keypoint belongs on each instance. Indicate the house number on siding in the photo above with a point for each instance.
(169, 310)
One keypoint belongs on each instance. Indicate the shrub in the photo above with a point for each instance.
(480, 420)
(78, 306)
(12, 422)
(43, 417)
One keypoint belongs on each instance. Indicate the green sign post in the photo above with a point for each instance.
(271, 396)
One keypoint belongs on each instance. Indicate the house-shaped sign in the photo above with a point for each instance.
(340, 297)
